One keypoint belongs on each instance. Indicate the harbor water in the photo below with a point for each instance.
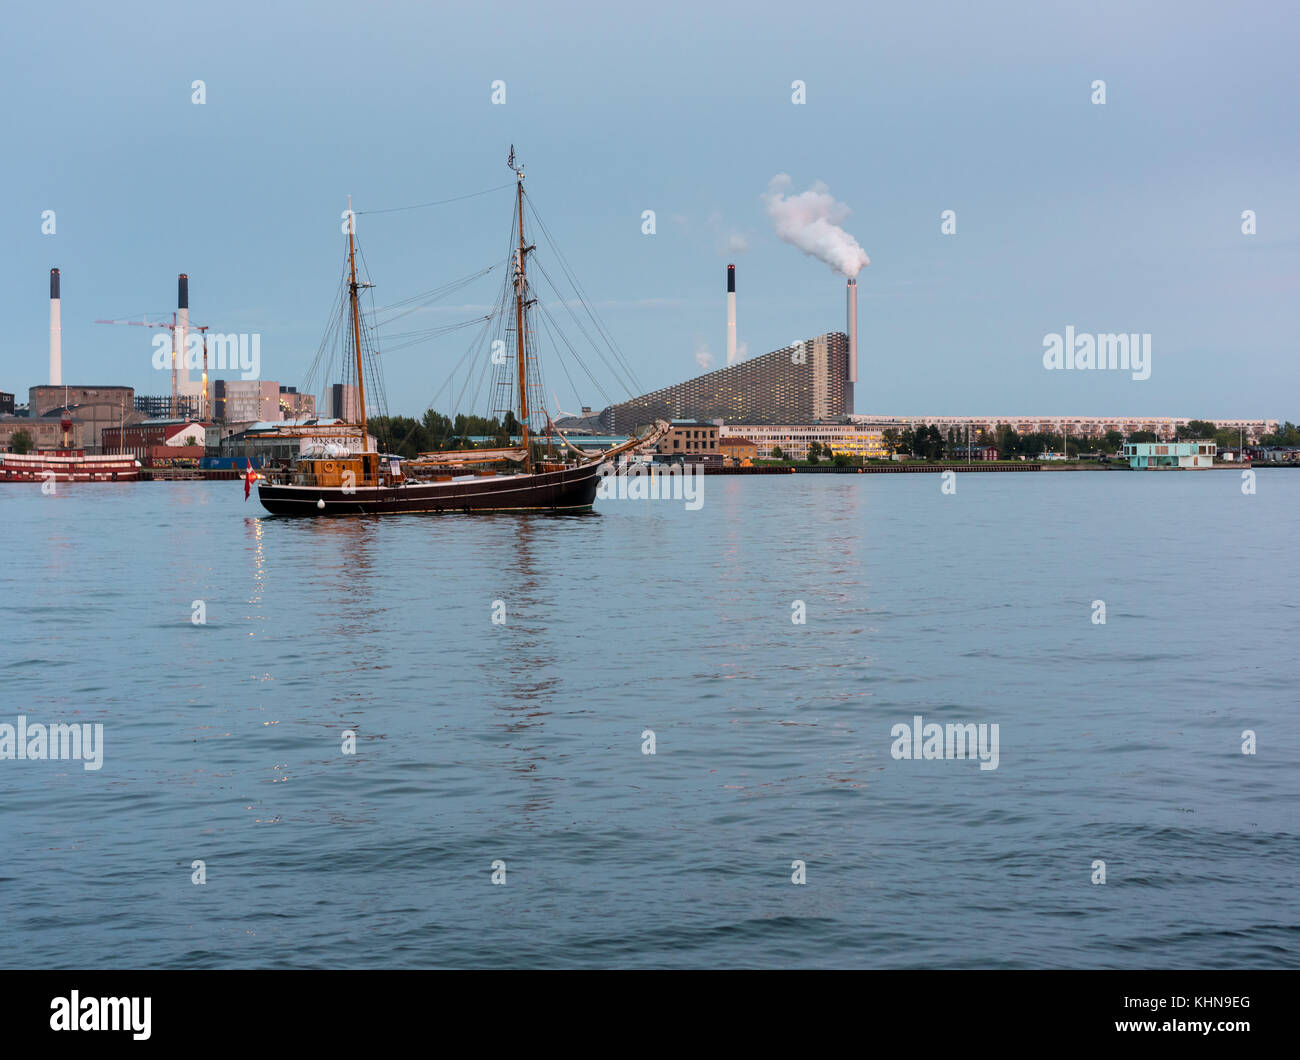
(505, 677)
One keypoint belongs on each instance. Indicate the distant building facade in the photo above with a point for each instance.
(1273, 454)
(246, 400)
(344, 404)
(1162, 427)
(737, 451)
(691, 440)
(159, 443)
(92, 408)
(6, 404)
(794, 439)
(801, 383)
(974, 452)
(296, 406)
(159, 406)
(45, 432)
(43, 399)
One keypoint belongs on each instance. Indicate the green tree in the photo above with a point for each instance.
(21, 442)
(777, 454)
(1287, 434)
(1197, 430)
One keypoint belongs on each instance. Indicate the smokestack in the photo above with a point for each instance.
(852, 297)
(56, 332)
(731, 314)
(178, 340)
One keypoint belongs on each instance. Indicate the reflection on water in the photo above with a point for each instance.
(523, 741)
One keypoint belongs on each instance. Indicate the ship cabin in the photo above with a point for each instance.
(338, 466)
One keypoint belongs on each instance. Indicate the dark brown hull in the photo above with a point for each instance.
(570, 490)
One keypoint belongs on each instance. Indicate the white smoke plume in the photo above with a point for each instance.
(703, 357)
(810, 221)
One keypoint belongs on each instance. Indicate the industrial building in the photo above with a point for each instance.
(159, 406)
(45, 432)
(245, 400)
(91, 408)
(159, 443)
(801, 383)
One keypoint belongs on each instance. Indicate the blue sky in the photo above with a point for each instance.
(1123, 217)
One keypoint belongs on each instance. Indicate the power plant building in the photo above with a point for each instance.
(801, 383)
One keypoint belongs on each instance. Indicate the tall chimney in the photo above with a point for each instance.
(56, 332)
(731, 313)
(178, 339)
(852, 297)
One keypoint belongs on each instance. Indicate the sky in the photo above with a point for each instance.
(1117, 217)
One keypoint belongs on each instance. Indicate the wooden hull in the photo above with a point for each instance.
(570, 490)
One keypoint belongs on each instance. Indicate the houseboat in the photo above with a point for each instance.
(1169, 456)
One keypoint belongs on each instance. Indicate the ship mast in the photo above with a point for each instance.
(521, 288)
(356, 323)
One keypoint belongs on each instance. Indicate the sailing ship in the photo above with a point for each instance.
(330, 478)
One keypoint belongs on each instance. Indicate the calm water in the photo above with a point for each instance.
(522, 742)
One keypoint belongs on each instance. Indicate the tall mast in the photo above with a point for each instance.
(520, 290)
(356, 323)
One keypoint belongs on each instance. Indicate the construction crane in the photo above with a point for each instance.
(173, 327)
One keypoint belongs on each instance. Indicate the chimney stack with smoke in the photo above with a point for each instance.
(731, 314)
(56, 332)
(852, 291)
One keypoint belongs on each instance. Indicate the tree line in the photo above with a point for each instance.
(436, 432)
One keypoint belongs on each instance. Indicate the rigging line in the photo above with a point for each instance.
(581, 292)
(405, 339)
(620, 364)
(475, 343)
(581, 363)
(500, 382)
(369, 344)
(324, 349)
(439, 202)
(564, 367)
(427, 297)
(613, 368)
